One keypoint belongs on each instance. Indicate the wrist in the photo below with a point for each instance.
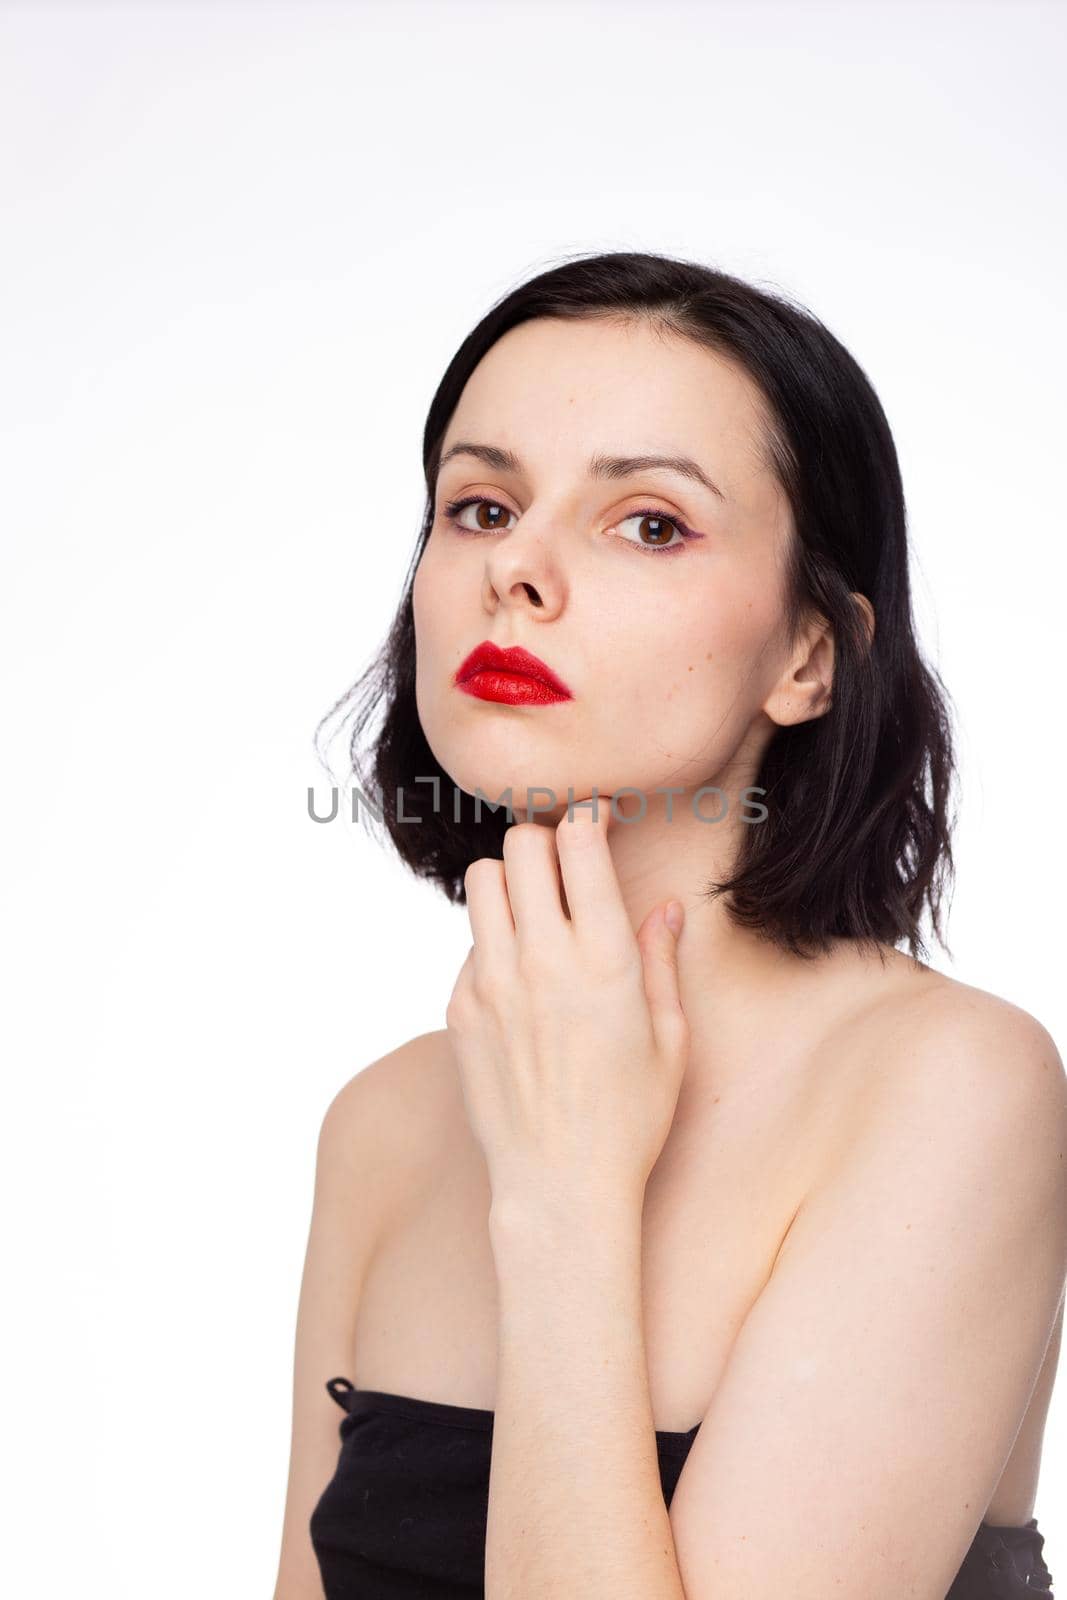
(554, 1217)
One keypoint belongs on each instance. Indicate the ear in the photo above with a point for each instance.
(804, 690)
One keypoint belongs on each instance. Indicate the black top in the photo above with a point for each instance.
(404, 1515)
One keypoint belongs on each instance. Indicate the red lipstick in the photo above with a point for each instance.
(513, 677)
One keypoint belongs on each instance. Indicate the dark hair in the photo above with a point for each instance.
(857, 839)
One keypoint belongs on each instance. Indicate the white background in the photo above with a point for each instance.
(240, 244)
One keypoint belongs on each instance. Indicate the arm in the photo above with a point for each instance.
(874, 1392)
(575, 1500)
(358, 1168)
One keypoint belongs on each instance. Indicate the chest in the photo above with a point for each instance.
(717, 1208)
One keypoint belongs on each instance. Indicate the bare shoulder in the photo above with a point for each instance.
(946, 1075)
(942, 1037)
(381, 1123)
(417, 1067)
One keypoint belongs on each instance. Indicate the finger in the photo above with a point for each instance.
(492, 927)
(659, 960)
(533, 883)
(591, 884)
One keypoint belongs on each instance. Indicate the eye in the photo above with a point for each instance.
(490, 516)
(489, 520)
(658, 528)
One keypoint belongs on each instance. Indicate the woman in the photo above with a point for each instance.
(718, 1254)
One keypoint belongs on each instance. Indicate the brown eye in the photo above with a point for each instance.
(658, 529)
(654, 531)
(490, 515)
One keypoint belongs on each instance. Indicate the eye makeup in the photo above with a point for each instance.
(453, 508)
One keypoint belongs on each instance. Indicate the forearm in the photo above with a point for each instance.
(575, 1499)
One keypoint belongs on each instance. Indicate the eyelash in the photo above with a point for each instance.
(454, 507)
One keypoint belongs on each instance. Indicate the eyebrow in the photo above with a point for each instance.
(600, 466)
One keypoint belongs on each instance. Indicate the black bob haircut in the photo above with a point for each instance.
(857, 839)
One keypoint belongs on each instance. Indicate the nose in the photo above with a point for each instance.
(522, 571)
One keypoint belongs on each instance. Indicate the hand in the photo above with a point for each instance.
(568, 1032)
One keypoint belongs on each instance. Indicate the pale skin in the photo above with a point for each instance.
(869, 1347)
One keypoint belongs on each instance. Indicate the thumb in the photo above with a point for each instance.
(659, 954)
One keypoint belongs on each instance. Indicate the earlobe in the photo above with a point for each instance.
(798, 703)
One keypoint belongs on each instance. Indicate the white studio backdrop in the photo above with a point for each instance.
(241, 242)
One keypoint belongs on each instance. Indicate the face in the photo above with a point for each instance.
(656, 597)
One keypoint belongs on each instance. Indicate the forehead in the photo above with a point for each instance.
(554, 388)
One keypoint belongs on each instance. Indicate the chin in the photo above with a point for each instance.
(526, 785)
(523, 792)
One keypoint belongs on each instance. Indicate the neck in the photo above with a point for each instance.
(670, 847)
(744, 996)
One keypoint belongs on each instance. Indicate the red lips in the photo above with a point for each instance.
(513, 676)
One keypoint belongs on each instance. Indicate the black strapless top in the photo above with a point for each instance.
(404, 1515)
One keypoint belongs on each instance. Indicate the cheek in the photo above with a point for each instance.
(692, 691)
(442, 625)
(421, 586)
(431, 606)
(426, 613)
(694, 652)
